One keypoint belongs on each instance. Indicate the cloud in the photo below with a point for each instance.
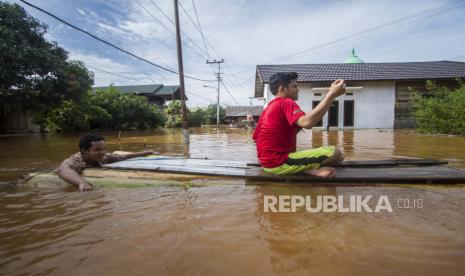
(247, 33)
(80, 11)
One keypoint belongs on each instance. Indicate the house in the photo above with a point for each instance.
(155, 93)
(381, 92)
(18, 122)
(239, 115)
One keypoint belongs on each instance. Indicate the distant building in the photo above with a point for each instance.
(242, 115)
(157, 94)
(382, 97)
(18, 122)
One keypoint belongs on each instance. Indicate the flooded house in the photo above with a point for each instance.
(157, 94)
(242, 115)
(380, 94)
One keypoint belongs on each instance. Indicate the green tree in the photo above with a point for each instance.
(173, 114)
(104, 109)
(35, 75)
(210, 114)
(442, 112)
(196, 117)
(127, 111)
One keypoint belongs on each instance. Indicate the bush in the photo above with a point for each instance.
(104, 109)
(443, 112)
(196, 117)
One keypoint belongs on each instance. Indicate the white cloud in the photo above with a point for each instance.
(247, 33)
(80, 11)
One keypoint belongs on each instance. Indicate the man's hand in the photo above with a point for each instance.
(338, 87)
(147, 152)
(84, 186)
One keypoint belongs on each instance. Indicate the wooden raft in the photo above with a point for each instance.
(412, 171)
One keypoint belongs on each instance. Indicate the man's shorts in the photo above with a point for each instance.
(303, 160)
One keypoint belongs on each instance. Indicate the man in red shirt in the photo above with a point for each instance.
(277, 128)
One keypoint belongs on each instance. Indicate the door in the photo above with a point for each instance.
(333, 114)
(314, 104)
(349, 113)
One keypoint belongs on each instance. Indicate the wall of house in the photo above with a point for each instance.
(374, 104)
(403, 106)
(17, 122)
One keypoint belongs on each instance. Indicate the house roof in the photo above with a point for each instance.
(159, 90)
(362, 71)
(167, 90)
(242, 111)
(138, 89)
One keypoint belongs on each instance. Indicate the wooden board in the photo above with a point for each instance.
(382, 163)
(375, 171)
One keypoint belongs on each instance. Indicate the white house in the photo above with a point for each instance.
(379, 93)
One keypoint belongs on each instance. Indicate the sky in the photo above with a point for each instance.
(246, 34)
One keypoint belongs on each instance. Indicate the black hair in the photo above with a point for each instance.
(86, 142)
(281, 78)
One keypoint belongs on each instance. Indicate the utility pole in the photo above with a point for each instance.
(218, 76)
(182, 91)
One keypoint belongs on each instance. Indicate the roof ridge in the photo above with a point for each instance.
(362, 64)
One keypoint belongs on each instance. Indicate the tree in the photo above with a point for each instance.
(104, 109)
(35, 74)
(127, 111)
(196, 117)
(173, 114)
(210, 114)
(443, 112)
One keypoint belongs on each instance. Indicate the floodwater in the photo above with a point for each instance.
(223, 228)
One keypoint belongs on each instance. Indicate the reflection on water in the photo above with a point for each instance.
(223, 229)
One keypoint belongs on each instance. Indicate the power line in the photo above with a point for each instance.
(416, 16)
(108, 43)
(121, 74)
(201, 97)
(227, 90)
(197, 27)
(409, 18)
(183, 33)
(200, 28)
(205, 41)
(163, 25)
(169, 19)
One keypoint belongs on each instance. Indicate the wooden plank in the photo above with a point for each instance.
(424, 174)
(383, 163)
(344, 176)
(188, 162)
(431, 174)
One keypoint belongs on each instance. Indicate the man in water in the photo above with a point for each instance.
(92, 154)
(277, 128)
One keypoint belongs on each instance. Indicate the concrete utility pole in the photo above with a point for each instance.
(218, 76)
(185, 125)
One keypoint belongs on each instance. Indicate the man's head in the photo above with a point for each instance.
(285, 85)
(92, 147)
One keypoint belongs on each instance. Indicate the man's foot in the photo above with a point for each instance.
(322, 172)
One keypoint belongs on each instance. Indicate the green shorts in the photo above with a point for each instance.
(302, 160)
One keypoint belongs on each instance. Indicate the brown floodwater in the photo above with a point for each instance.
(222, 228)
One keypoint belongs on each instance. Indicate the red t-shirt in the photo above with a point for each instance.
(276, 131)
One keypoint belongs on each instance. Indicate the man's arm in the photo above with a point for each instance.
(70, 175)
(120, 157)
(137, 154)
(310, 119)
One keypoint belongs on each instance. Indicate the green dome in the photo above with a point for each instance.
(354, 58)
